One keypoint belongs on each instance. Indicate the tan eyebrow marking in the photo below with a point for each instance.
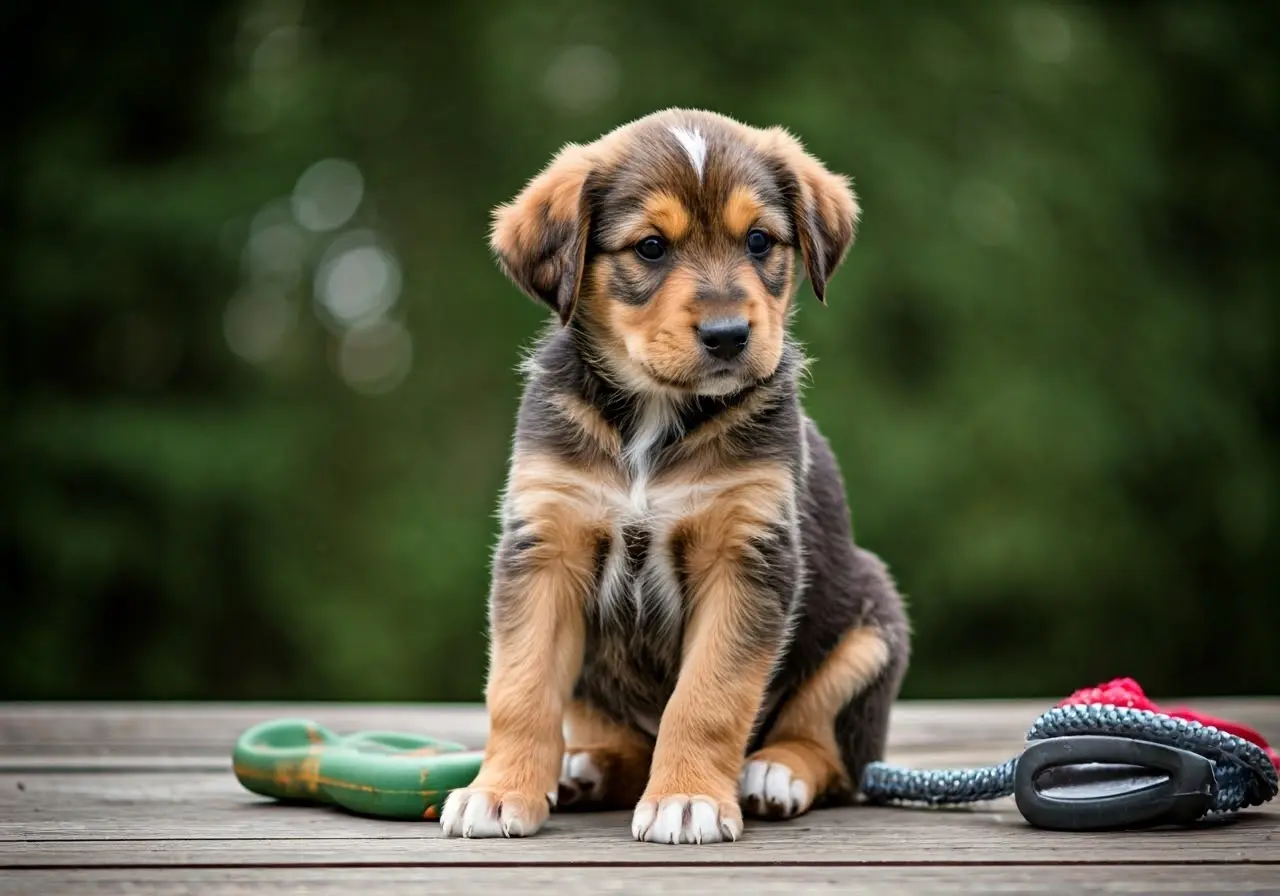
(741, 210)
(668, 214)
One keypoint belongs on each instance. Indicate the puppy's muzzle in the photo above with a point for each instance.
(726, 338)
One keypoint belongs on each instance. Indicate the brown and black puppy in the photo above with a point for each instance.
(681, 623)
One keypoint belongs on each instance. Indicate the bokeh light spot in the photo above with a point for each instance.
(1044, 33)
(277, 52)
(276, 253)
(358, 281)
(582, 78)
(327, 194)
(375, 359)
(256, 322)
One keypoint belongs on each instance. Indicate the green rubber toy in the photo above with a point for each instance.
(384, 774)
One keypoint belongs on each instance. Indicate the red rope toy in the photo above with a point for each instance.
(1127, 692)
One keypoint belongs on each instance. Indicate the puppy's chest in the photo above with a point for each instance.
(636, 620)
(641, 557)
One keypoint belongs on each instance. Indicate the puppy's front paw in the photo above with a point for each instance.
(476, 812)
(772, 790)
(680, 818)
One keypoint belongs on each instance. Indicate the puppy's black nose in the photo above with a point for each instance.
(724, 339)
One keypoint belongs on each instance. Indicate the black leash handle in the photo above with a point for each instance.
(1098, 783)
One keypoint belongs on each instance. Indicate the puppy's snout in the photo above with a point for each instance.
(726, 338)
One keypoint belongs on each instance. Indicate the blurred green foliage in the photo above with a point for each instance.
(1049, 366)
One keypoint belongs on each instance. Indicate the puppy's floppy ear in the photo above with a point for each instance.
(540, 237)
(824, 208)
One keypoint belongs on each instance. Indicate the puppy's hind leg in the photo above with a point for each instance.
(862, 727)
(606, 763)
(834, 723)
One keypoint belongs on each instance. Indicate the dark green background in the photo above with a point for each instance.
(1049, 365)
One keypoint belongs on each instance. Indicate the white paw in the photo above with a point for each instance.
(769, 790)
(580, 778)
(475, 813)
(685, 819)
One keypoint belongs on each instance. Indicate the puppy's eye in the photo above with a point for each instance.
(651, 248)
(759, 243)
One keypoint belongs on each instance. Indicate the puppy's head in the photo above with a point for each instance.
(671, 242)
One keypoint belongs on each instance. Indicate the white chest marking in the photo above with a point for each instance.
(649, 510)
(695, 146)
(656, 418)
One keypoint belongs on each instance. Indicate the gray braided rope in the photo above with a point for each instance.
(1244, 774)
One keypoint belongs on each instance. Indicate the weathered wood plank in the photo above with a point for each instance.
(105, 730)
(214, 806)
(37, 766)
(213, 830)
(109, 807)
(112, 729)
(569, 881)
(115, 764)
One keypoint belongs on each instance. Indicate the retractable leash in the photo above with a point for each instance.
(1106, 758)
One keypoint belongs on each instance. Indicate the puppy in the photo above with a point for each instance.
(680, 622)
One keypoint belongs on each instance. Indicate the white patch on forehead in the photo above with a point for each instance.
(695, 146)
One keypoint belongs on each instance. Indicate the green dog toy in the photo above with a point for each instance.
(379, 773)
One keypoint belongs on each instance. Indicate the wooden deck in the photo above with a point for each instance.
(141, 799)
